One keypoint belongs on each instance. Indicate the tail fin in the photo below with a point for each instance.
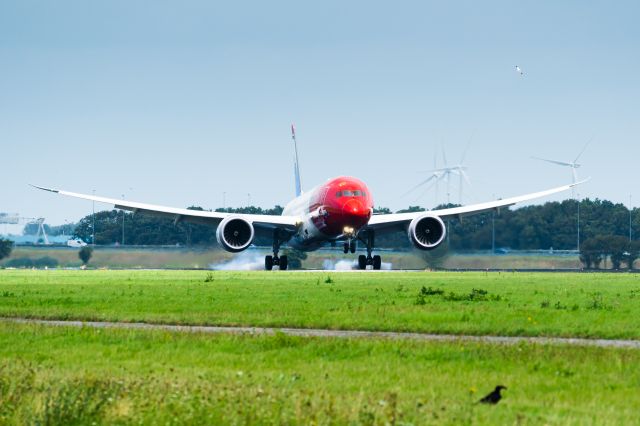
(296, 166)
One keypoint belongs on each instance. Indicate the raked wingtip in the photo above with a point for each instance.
(44, 189)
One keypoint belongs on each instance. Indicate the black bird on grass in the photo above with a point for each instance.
(494, 396)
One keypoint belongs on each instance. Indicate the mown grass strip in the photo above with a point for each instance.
(508, 304)
(343, 334)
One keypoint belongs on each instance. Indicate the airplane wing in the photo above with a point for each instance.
(397, 221)
(260, 221)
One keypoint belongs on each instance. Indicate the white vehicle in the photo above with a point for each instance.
(76, 243)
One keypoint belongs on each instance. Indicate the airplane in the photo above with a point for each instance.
(337, 211)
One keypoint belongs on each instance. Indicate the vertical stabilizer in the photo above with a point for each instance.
(296, 165)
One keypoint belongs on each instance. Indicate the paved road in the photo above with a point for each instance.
(345, 334)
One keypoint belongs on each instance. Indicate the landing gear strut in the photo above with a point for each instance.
(350, 246)
(281, 261)
(374, 261)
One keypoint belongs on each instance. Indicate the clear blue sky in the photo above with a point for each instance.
(177, 102)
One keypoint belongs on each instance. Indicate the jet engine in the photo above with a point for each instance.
(427, 232)
(235, 234)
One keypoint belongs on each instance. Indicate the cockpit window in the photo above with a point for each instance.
(347, 193)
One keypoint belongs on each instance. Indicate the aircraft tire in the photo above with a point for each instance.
(284, 263)
(362, 262)
(268, 263)
(352, 246)
(377, 262)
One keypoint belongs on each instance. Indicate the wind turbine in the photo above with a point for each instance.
(434, 176)
(461, 170)
(574, 165)
(445, 173)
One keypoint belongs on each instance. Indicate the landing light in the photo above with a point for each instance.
(347, 230)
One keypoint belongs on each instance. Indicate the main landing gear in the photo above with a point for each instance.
(364, 261)
(374, 261)
(280, 261)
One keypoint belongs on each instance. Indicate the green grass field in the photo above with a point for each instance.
(53, 375)
(522, 304)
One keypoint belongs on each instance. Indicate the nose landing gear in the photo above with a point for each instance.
(350, 246)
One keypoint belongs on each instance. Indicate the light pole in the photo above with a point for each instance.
(493, 232)
(248, 199)
(93, 218)
(224, 200)
(493, 229)
(578, 199)
(630, 224)
(122, 222)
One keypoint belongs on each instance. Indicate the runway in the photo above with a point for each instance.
(343, 334)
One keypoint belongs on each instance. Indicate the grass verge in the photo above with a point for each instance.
(54, 375)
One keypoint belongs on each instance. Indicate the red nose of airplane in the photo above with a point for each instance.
(355, 208)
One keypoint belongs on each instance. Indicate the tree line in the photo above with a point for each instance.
(607, 231)
(553, 225)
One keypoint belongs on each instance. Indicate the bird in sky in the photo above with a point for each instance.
(493, 397)
(519, 70)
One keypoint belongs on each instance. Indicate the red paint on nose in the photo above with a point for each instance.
(355, 207)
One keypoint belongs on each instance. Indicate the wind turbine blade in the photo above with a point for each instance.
(434, 171)
(561, 163)
(466, 177)
(420, 184)
(425, 190)
(464, 153)
(444, 157)
(583, 150)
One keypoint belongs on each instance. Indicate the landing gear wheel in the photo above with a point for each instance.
(284, 262)
(345, 248)
(377, 262)
(362, 262)
(268, 263)
(352, 246)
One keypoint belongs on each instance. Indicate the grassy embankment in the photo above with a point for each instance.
(52, 375)
(523, 304)
(124, 257)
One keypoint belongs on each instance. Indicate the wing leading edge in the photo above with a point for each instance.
(178, 215)
(400, 219)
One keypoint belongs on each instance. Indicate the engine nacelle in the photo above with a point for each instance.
(235, 234)
(427, 232)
